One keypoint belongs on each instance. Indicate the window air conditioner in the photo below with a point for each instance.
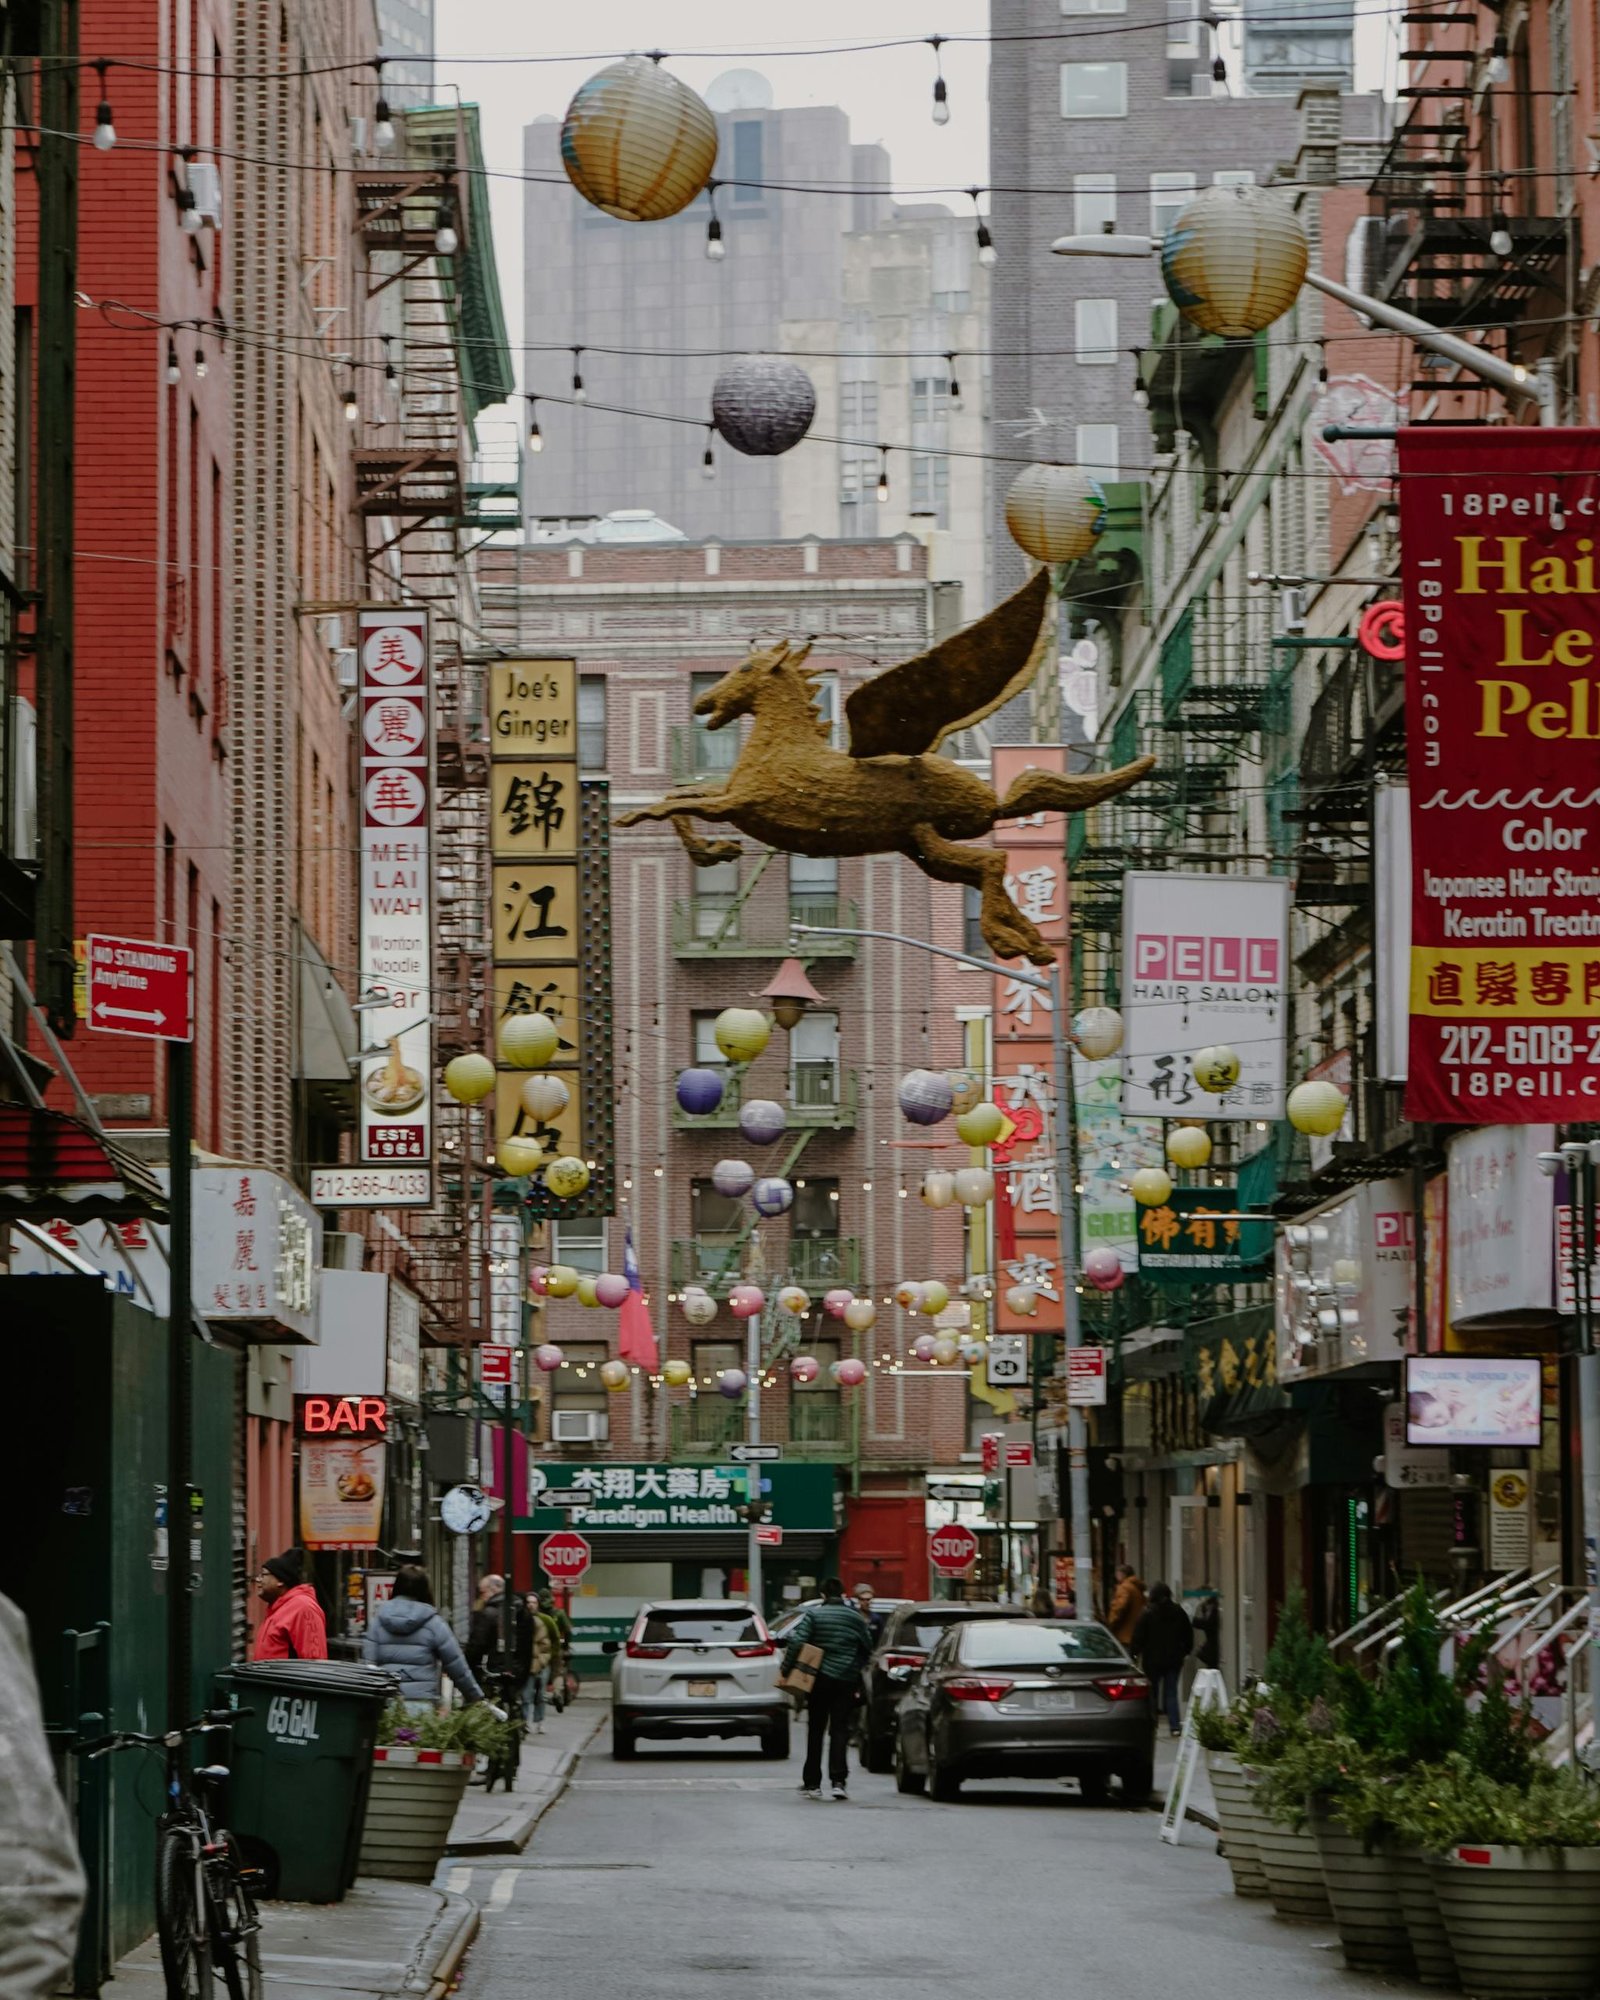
(205, 184)
(579, 1427)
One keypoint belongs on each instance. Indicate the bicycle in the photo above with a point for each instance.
(502, 1766)
(206, 1916)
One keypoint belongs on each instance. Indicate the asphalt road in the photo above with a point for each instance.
(703, 1873)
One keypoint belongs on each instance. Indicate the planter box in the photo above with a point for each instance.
(1430, 1942)
(1363, 1892)
(411, 1809)
(1230, 1788)
(1524, 1923)
(1293, 1870)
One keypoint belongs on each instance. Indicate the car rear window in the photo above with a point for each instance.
(999, 1643)
(733, 1626)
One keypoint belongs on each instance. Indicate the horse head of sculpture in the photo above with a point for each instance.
(765, 672)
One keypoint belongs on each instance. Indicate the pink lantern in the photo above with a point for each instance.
(922, 1347)
(610, 1289)
(536, 1279)
(834, 1302)
(745, 1301)
(804, 1368)
(1103, 1269)
(549, 1357)
(852, 1373)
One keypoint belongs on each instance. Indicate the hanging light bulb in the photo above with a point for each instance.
(1219, 69)
(535, 436)
(173, 374)
(1141, 395)
(200, 364)
(389, 376)
(579, 393)
(105, 132)
(708, 464)
(188, 212)
(445, 239)
(1500, 236)
(955, 386)
(1499, 70)
(382, 127)
(883, 473)
(716, 249)
(941, 98)
(352, 408)
(987, 253)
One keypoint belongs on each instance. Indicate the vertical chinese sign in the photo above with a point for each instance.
(396, 937)
(550, 916)
(1027, 1200)
(1503, 707)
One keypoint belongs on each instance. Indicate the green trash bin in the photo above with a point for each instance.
(301, 1769)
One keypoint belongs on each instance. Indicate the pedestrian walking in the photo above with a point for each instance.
(408, 1636)
(1127, 1602)
(561, 1683)
(41, 1883)
(543, 1648)
(845, 1640)
(1208, 1630)
(483, 1627)
(294, 1627)
(1041, 1604)
(1163, 1639)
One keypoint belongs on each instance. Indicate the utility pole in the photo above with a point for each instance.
(182, 1526)
(1065, 1119)
(752, 1435)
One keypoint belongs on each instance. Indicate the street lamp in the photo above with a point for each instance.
(1048, 983)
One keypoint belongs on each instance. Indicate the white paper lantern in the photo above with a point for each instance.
(1099, 1033)
(1023, 1300)
(974, 1186)
(699, 1307)
(1188, 1146)
(545, 1096)
(938, 1189)
(1056, 512)
(637, 142)
(1235, 259)
(860, 1314)
(1317, 1107)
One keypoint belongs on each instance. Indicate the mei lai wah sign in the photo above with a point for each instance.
(1501, 531)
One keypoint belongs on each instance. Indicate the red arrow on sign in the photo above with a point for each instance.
(564, 1556)
(952, 1550)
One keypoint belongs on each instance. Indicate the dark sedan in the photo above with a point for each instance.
(905, 1641)
(1027, 1698)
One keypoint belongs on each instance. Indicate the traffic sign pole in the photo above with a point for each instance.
(752, 1419)
(180, 1375)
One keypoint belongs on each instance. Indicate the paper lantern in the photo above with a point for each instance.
(836, 1303)
(974, 1347)
(860, 1314)
(518, 1156)
(638, 143)
(1317, 1107)
(1098, 1033)
(699, 1307)
(561, 1281)
(938, 1188)
(614, 1374)
(906, 1294)
(1234, 260)
(763, 405)
(545, 1096)
(982, 1125)
(536, 1279)
(946, 1349)
(1151, 1186)
(745, 1301)
(469, 1079)
(924, 1344)
(926, 1096)
(804, 1368)
(974, 1186)
(1023, 1300)
(732, 1383)
(762, 1120)
(676, 1373)
(1216, 1069)
(1056, 512)
(1188, 1146)
(1103, 1269)
(851, 1372)
(699, 1091)
(548, 1357)
(566, 1177)
(795, 1300)
(733, 1178)
(741, 1033)
(966, 1090)
(610, 1288)
(833, 1370)
(588, 1290)
(528, 1041)
(935, 1297)
(772, 1195)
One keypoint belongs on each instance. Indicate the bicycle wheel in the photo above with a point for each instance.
(235, 1928)
(180, 1915)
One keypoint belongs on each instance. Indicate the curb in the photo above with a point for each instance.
(448, 1963)
(522, 1832)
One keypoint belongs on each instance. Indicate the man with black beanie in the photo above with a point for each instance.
(294, 1627)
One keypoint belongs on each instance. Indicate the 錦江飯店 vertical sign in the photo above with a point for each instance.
(1503, 741)
(396, 936)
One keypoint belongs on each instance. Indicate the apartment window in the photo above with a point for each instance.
(825, 700)
(576, 1384)
(858, 458)
(1094, 203)
(814, 1061)
(1234, 177)
(720, 1225)
(704, 1037)
(813, 889)
(1183, 27)
(716, 890)
(580, 1242)
(591, 722)
(1099, 450)
(1096, 331)
(1170, 195)
(815, 1411)
(1094, 90)
(748, 139)
(714, 749)
(930, 440)
(816, 1207)
(973, 941)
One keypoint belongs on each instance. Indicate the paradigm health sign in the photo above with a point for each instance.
(1503, 703)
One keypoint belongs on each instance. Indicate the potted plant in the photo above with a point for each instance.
(1220, 1731)
(420, 1770)
(1298, 1669)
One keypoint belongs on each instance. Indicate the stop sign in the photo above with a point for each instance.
(564, 1556)
(952, 1550)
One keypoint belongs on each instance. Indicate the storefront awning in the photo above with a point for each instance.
(54, 1166)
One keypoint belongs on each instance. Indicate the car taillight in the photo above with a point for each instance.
(762, 1652)
(972, 1689)
(903, 1659)
(1125, 1687)
(637, 1652)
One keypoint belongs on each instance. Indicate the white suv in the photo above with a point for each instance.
(698, 1666)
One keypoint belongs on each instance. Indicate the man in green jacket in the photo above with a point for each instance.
(845, 1640)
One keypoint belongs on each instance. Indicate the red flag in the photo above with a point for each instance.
(636, 1337)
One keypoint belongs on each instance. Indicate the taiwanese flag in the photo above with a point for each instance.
(636, 1337)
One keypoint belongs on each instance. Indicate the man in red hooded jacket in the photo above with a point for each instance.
(294, 1627)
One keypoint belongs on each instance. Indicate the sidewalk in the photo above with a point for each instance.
(503, 1823)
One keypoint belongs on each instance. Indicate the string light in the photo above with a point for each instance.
(1499, 70)
(200, 364)
(579, 393)
(445, 240)
(536, 443)
(105, 132)
(941, 99)
(955, 386)
(173, 373)
(716, 249)
(883, 472)
(389, 374)
(988, 256)
(708, 464)
(383, 122)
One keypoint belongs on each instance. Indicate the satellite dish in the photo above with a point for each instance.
(740, 90)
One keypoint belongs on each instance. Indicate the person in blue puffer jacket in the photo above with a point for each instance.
(408, 1636)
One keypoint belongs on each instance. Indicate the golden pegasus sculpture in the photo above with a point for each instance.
(888, 793)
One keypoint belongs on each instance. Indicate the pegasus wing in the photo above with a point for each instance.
(913, 707)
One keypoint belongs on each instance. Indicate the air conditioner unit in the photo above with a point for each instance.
(342, 1249)
(205, 184)
(579, 1427)
(344, 665)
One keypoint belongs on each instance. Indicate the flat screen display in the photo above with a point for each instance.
(1462, 1399)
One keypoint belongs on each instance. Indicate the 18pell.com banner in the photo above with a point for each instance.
(1500, 531)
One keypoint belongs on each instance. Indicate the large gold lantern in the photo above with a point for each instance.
(1235, 259)
(637, 142)
(1055, 512)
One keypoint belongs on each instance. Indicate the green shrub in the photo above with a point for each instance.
(1438, 1805)
(473, 1728)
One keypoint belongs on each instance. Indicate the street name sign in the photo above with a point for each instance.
(952, 1550)
(564, 1556)
(755, 1454)
(137, 987)
(495, 1363)
(566, 1496)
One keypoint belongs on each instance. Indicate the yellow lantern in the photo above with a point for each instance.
(545, 1096)
(1098, 1033)
(518, 1156)
(614, 1374)
(566, 1177)
(933, 1297)
(469, 1079)
(676, 1373)
(1235, 259)
(1023, 1300)
(1151, 1186)
(795, 1300)
(860, 1314)
(742, 1033)
(1055, 512)
(1216, 1069)
(637, 142)
(587, 1295)
(561, 1281)
(1188, 1146)
(528, 1041)
(1317, 1107)
(982, 1125)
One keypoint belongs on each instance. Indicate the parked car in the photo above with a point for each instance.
(1030, 1698)
(908, 1636)
(697, 1667)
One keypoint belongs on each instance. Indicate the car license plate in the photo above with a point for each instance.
(1055, 1698)
(708, 1689)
